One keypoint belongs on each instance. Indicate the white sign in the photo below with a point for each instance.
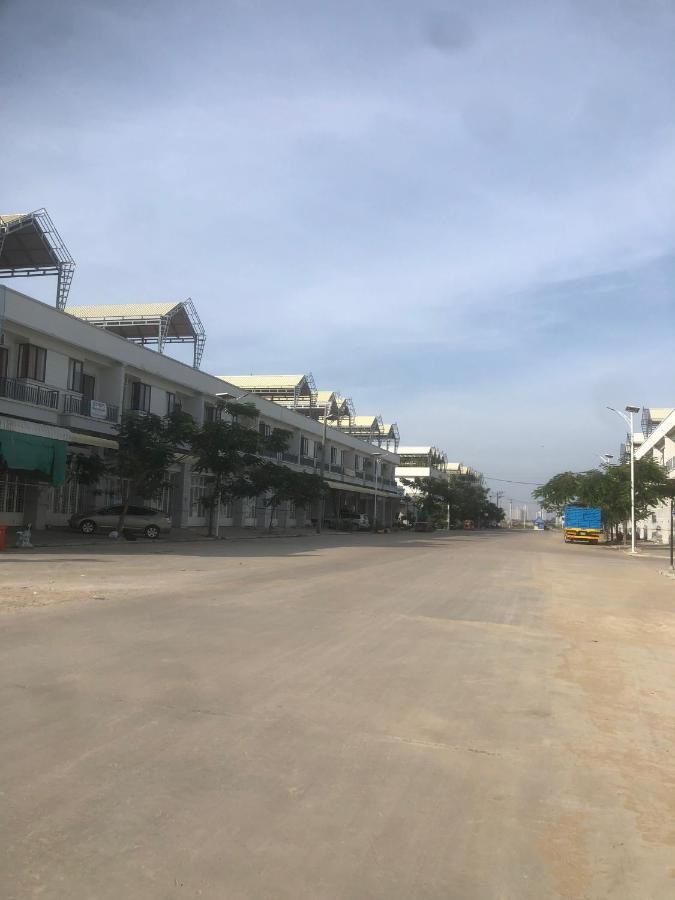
(98, 410)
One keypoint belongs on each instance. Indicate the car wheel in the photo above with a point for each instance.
(152, 531)
(87, 526)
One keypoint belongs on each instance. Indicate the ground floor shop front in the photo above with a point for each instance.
(27, 500)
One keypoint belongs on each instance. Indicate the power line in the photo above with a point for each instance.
(511, 481)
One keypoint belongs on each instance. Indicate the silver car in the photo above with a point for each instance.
(152, 522)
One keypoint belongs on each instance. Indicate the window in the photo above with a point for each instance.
(333, 456)
(304, 446)
(3, 362)
(32, 362)
(198, 492)
(358, 462)
(171, 404)
(75, 367)
(88, 383)
(291, 509)
(12, 493)
(264, 429)
(140, 396)
(212, 413)
(343, 457)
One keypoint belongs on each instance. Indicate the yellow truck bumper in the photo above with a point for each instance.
(583, 535)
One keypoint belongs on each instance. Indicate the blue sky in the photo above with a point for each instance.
(461, 215)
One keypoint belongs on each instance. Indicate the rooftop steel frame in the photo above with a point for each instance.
(45, 254)
(156, 327)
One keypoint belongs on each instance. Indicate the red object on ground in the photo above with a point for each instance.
(3, 536)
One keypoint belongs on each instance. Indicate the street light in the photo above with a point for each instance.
(377, 457)
(322, 474)
(628, 419)
(605, 458)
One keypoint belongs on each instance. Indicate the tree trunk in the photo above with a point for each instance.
(125, 507)
(215, 499)
(625, 533)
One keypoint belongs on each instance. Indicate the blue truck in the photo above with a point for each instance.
(583, 524)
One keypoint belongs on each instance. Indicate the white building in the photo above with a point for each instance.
(64, 383)
(658, 442)
(421, 462)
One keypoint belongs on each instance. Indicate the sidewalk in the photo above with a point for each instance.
(643, 549)
(65, 537)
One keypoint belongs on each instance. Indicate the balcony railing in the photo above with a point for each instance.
(307, 461)
(290, 457)
(339, 469)
(82, 406)
(26, 392)
(670, 464)
(369, 476)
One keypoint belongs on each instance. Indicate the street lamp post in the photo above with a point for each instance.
(377, 457)
(322, 475)
(628, 419)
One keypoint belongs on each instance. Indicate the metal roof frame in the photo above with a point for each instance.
(30, 246)
(151, 323)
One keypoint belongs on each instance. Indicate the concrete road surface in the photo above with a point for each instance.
(474, 716)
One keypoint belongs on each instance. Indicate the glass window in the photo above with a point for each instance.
(4, 354)
(140, 396)
(333, 456)
(170, 403)
(304, 446)
(88, 383)
(32, 362)
(211, 413)
(75, 367)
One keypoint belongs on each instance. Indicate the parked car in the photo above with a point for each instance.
(362, 523)
(152, 522)
(424, 526)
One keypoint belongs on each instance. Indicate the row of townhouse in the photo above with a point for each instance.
(65, 382)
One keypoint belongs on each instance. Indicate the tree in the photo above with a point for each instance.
(147, 446)
(559, 491)
(280, 484)
(609, 489)
(87, 470)
(228, 451)
(456, 499)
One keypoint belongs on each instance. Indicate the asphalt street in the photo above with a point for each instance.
(467, 717)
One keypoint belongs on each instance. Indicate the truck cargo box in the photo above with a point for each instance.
(583, 524)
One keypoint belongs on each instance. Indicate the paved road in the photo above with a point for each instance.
(483, 716)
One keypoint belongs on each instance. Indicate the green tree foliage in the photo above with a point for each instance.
(229, 450)
(147, 446)
(609, 489)
(279, 484)
(87, 470)
(463, 497)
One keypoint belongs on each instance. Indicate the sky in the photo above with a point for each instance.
(459, 214)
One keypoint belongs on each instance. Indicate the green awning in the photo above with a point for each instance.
(34, 453)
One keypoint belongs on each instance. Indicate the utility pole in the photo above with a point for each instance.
(377, 456)
(671, 534)
(322, 475)
(628, 419)
(510, 513)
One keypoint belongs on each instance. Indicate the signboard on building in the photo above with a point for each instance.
(98, 410)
